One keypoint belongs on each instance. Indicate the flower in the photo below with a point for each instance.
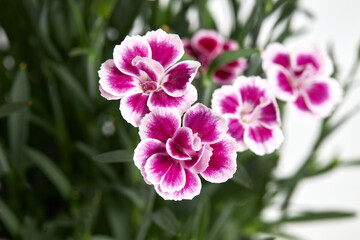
(171, 157)
(302, 78)
(143, 75)
(206, 45)
(252, 114)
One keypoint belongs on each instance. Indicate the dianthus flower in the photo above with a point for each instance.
(302, 78)
(171, 157)
(206, 45)
(252, 114)
(143, 75)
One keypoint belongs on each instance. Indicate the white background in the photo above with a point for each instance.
(336, 22)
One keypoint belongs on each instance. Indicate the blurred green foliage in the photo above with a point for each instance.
(57, 182)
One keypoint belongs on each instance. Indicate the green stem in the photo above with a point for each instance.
(209, 88)
(145, 224)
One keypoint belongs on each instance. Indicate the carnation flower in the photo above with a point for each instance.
(206, 45)
(171, 157)
(143, 75)
(252, 114)
(302, 78)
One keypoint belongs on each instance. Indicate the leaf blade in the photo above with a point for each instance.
(115, 156)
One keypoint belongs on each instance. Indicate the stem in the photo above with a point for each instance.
(209, 88)
(147, 216)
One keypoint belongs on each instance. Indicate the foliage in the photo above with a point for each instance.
(57, 182)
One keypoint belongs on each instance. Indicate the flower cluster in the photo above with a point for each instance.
(302, 78)
(206, 45)
(179, 142)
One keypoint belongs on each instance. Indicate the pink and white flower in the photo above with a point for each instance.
(252, 114)
(206, 45)
(143, 74)
(171, 155)
(303, 78)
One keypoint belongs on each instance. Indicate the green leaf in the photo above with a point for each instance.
(229, 56)
(72, 84)
(242, 177)
(166, 220)
(49, 168)
(316, 216)
(10, 108)
(100, 237)
(76, 15)
(104, 8)
(221, 220)
(9, 219)
(117, 218)
(18, 122)
(131, 193)
(4, 166)
(115, 156)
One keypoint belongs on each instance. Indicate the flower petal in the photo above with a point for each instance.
(181, 144)
(191, 189)
(280, 80)
(107, 95)
(225, 100)
(166, 48)
(210, 126)
(261, 140)
(160, 99)
(269, 115)
(174, 180)
(322, 95)
(236, 130)
(130, 48)
(275, 53)
(306, 55)
(134, 107)
(253, 91)
(179, 76)
(157, 166)
(160, 124)
(150, 67)
(222, 164)
(201, 159)
(224, 76)
(144, 150)
(114, 82)
(208, 42)
(302, 105)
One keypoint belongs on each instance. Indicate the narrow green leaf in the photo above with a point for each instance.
(49, 168)
(242, 177)
(78, 21)
(131, 194)
(115, 156)
(18, 122)
(10, 108)
(223, 217)
(100, 237)
(79, 51)
(350, 163)
(230, 56)
(72, 84)
(117, 218)
(316, 216)
(104, 8)
(4, 166)
(9, 219)
(166, 220)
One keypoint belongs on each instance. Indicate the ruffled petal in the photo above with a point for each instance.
(223, 76)
(134, 107)
(322, 95)
(178, 77)
(166, 48)
(236, 130)
(191, 189)
(310, 57)
(253, 91)
(160, 124)
(130, 48)
(200, 160)
(275, 53)
(210, 126)
(157, 166)
(281, 82)
(208, 42)
(225, 100)
(301, 105)
(269, 115)
(114, 82)
(149, 68)
(160, 99)
(174, 179)
(107, 95)
(144, 150)
(261, 140)
(222, 164)
(181, 144)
